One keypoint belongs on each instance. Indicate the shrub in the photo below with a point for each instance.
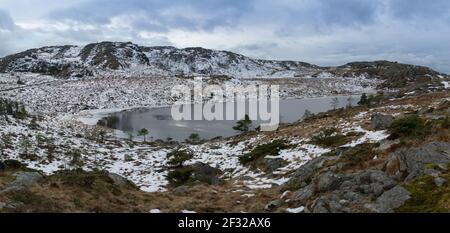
(329, 137)
(76, 158)
(180, 176)
(194, 138)
(78, 178)
(243, 125)
(14, 164)
(261, 151)
(411, 126)
(178, 157)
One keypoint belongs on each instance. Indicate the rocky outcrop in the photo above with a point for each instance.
(381, 122)
(390, 200)
(407, 164)
(346, 192)
(23, 180)
(119, 180)
(304, 175)
(325, 190)
(272, 164)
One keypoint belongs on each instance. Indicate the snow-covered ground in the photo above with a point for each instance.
(69, 110)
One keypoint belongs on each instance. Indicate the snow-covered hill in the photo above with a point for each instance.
(131, 59)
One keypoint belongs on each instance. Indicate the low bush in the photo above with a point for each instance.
(330, 137)
(411, 126)
(180, 175)
(261, 151)
(178, 157)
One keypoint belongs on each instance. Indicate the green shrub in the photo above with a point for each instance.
(76, 158)
(180, 176)
(243, 125)
(178, 157)
(194, 139)
(411, 126)
(261, 151)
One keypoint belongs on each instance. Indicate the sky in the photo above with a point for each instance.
(322, 32)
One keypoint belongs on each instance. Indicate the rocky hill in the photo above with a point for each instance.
(129, 58)
(132, 59)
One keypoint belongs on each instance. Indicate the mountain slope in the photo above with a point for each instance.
(117, 57)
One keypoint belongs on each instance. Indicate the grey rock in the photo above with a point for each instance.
(391, 200)
(23, 180)
(372, 182)
(11, 205)
(26, 179)
(304, 193)
(352, 197)
(274, 205)
(329, 181)
(439, 181)
(119, 180)
(407, 164)
(381, 121)
(274, 164)
(330, 203)
(343, 191)
(304, 175)
(181, 190)
(12, 189)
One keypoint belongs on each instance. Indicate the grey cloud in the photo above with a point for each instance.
(158, 15)
(419, 9)
(6, 21)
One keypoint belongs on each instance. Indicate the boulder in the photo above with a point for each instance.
(407, 164)
(274, 164)
(23, 180)
(205, 173)
(304, 194)
(381, 122)
(330, 203)
(304, 175)
(439, 181)
(119, 180)
(273, 205)
(329, 182)
(26, 178)
(391, 200)
(181, 190)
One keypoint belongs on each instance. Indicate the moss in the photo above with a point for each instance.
(426, 197)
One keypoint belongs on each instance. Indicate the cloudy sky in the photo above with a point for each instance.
(324, 32)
